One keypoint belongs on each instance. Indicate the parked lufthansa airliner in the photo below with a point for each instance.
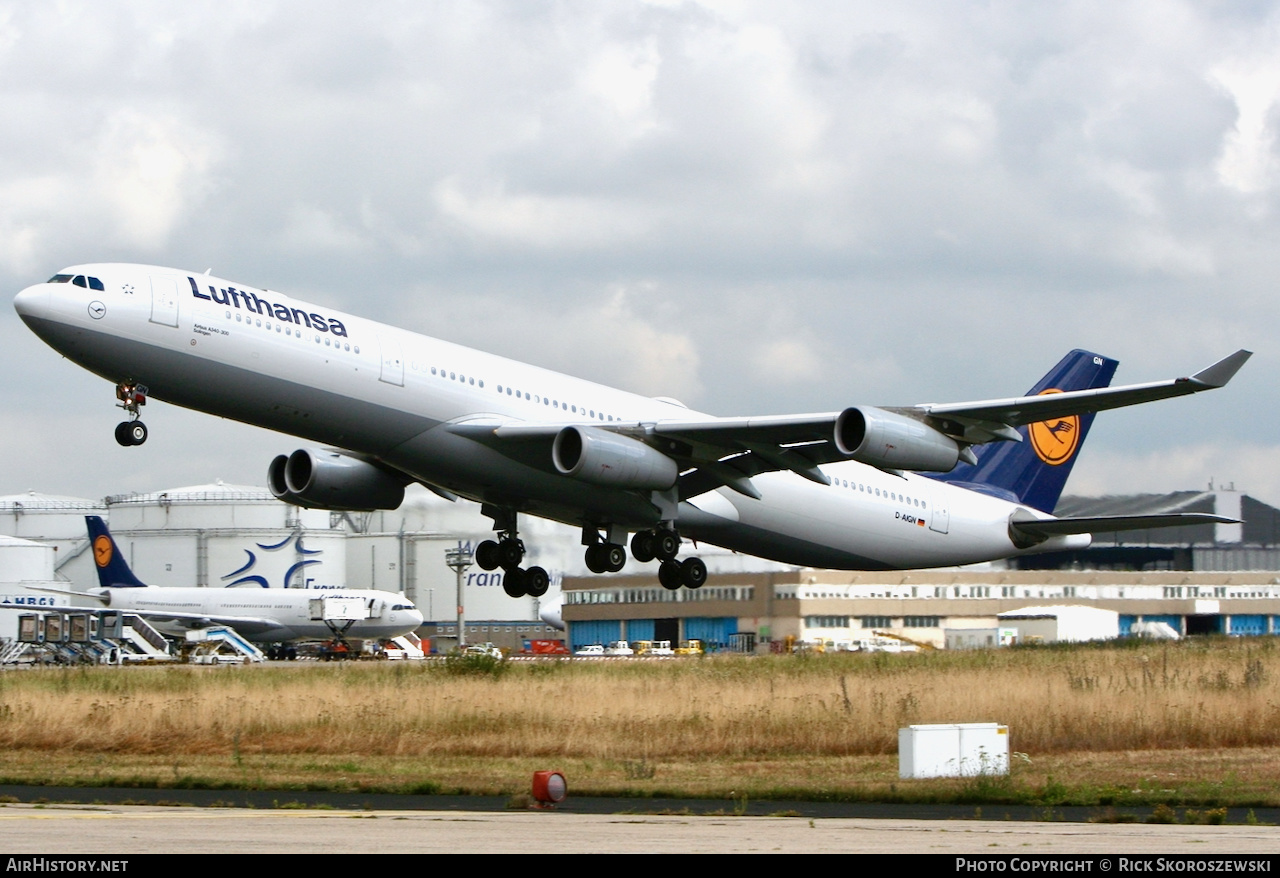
(262, 615)
(868, 488)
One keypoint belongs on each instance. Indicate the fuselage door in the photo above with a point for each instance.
(940, 514)
(164, 301)
(392, 361)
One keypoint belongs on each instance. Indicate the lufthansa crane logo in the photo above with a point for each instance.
(102, 550)
(1055, 441)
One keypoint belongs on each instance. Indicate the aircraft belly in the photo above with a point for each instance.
(236, 393)
(797, 522)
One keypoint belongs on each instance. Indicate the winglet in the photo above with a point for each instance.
(1222, 371)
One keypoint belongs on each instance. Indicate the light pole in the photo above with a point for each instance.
(459, 560)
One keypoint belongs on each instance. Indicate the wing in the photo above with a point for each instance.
(710, 452)
(248, 626)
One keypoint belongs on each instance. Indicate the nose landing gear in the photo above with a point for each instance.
(132, 397)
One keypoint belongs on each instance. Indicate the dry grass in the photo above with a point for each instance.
(823, 724)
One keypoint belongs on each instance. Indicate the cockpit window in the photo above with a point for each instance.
(59, 279)
(80, 280)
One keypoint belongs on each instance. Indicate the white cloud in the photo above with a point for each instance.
(1248, 162)
(148, 170)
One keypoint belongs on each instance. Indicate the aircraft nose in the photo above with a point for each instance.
(416, 617)
(32, 301)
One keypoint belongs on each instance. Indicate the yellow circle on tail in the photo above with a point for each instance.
(1055, 441)
(102, 550)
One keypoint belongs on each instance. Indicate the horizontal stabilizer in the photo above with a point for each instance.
(1052, 527)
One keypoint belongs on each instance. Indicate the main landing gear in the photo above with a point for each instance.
(607, 555)
(132, 397)
(507, 552)
(663, 543)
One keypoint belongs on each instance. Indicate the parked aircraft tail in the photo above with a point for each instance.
(113, 570)
(1034, 471)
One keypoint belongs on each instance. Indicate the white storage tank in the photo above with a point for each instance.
(23, 564)
(220, 536)
(54, 520)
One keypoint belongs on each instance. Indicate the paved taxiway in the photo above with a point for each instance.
(139, 829)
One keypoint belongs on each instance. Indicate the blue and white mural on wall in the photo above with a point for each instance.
(293, 577)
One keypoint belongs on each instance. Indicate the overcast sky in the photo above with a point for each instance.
(752, 207)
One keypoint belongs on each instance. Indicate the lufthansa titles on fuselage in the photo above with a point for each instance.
(230, 295)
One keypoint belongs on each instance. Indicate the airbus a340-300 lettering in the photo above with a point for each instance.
(866, 487)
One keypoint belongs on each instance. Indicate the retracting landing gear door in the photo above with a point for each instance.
(164, 301)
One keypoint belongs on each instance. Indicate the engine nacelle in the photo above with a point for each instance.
(604, 458)
(332, 480)
(884, 439)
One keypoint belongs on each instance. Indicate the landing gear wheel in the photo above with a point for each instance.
(513, 582)
(669, 575)
(131, 433)
(666, 544)
(644, 546)
(693, 573)
(596, 561)
(510, 554)
(614, 556)
(487, 555)
(536, 582)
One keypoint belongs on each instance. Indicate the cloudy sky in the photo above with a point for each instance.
(752, 207)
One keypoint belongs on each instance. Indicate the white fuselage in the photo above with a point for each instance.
(266, 359)
(387, 615)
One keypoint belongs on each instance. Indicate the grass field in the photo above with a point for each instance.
(1193, 723)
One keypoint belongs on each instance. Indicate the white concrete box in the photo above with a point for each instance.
(953, 750)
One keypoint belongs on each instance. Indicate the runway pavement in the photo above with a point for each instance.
(146, 829)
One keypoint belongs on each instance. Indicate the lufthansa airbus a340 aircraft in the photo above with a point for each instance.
(864, 488)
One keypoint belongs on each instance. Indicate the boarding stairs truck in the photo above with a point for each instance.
(221, 645)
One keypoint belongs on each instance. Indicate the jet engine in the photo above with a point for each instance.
(604, 458)
(333, 480)
(884, 439)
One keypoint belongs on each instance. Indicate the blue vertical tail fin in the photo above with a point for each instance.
(113, 570)
(1034, 471)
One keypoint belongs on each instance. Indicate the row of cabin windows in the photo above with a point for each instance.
(520, 394)
(80, 280)
(280, 327)
(867, 489)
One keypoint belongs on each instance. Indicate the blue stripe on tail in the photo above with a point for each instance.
(113, 570)
(1034, 471)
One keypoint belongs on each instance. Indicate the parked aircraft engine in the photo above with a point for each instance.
(332, 480)
(883, 439)
(604, 458)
